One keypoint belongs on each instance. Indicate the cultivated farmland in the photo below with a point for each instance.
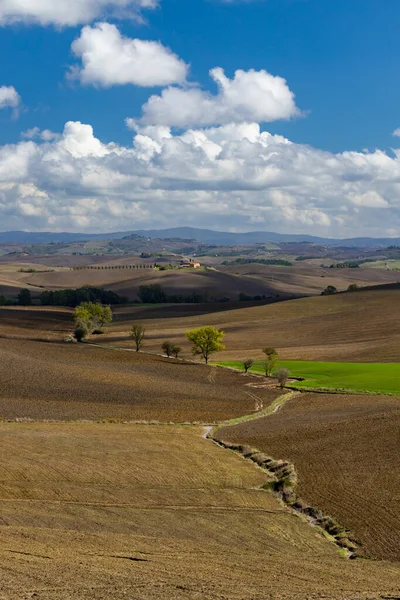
(92, 512)
(42, 380)
(346, 452)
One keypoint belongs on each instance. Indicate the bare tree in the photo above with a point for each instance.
(137, 334)
(247, 364)
(176, 350)
(167, 348)
(282, 376)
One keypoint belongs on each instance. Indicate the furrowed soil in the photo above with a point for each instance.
(42, 380)
(345, 450)
(354, 327)
(95, 511)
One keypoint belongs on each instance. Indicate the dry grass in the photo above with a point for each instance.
(121, 511)
(346, 453)
(72, 381)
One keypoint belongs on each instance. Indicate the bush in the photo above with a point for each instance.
(81, 332)
(329, 290)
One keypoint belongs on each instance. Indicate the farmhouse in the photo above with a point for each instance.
(190, 265)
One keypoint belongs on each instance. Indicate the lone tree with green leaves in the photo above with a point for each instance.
(93, 315)
(206, 341)
(138, 333)
(247, 364)
(271, 360)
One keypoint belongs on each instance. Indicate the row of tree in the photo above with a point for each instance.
(91, 317)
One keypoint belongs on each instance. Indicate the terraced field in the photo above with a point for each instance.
(128, 511)
(346, 452)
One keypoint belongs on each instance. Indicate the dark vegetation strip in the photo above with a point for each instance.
(283, 485)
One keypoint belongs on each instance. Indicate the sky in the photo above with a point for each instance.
(274, 115)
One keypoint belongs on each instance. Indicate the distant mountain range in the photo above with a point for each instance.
(205, 236)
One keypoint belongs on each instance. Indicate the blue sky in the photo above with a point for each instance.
(340, 60)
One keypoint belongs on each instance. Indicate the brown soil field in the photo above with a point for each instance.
(302, 279)
(346, 453)
(359, 327)
(93, 512)
(42, 380)
(126, 282)
(310, 279)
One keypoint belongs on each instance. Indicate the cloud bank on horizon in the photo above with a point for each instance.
(197, 158)
(230, 176)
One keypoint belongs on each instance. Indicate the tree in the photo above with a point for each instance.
(137, 334)
(24, 297)
(176, 350)
(282, 376)
(206, 340)
(2, 300)
(247, 364)
(167, 348)
(353, 287)
(152, 294)
(271, 361)
(329, 290)
(81, 332)
(93, 315)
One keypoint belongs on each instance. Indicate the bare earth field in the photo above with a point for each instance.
(346, 452)
(302, 279)
(147, 512)
(69, 381)
(356, 327)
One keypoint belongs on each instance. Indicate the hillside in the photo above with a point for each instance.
(99, 511)
(345, 450)
(363, 326)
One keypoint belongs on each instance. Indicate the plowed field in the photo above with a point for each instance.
(346, 453)
(148, 512)
(42, 380)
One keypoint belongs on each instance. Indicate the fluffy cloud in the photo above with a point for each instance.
(67, 12)
(36, 134)
(9, 98)
(108, 58)
(232, 176)
(249, 96)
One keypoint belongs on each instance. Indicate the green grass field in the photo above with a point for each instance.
(366, 377)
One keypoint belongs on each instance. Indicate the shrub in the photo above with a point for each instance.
(81, 332)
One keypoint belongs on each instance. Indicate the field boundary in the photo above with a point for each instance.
(283, 481)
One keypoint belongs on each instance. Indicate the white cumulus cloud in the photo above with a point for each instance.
(249, 96)
(231, 176)
(108, 58)
(9, 98)
(68, 12)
